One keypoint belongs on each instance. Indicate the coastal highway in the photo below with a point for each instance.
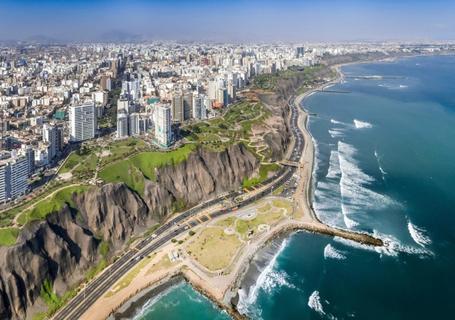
(98, 286)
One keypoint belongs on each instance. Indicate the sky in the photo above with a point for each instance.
(229, 20)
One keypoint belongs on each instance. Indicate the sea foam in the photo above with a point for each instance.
(362, 124)
(267, 280)
(392, 246)
(418, 234)
(331, 253)
(336, 133)
(334, 165)
(354, 184)
(314, 302)
(338, 122)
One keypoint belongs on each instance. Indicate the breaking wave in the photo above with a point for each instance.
(392, 246)
(355, 194)
(338, 122)
(268, 280)
(314, 302)
(331, 252)
(334, 165)
(336, 133)
(418, 234)
(362, 124)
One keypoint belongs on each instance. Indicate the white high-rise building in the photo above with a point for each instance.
(82, 122)
(14, 172)
(122, 125)
(50, 136)
(134, 124)
(199, 109)
(163, 125)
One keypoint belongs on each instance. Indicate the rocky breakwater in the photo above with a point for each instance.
(61, 248)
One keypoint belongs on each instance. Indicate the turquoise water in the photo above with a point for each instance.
(385, 165)
(180, 302)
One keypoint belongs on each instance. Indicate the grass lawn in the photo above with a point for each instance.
(123, 148)
(264, 171)
(270, 212)
(206, 248)
(55, 203)
(6, 217)
(217, 134)
(71, 162)
(132, 171)
(243, 226)
(8, 236)
(228, 222)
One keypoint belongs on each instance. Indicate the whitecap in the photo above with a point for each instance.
(267, 280)
(349, 222)
(418, 234)
(355, 194)
(331, 252)
(392, 246)
(362, 124)
(336, 133)
(337, 122)
(334, 165)
(314, 302)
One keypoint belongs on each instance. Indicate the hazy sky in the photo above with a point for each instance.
(233, 20)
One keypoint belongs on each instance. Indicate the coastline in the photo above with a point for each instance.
(310, 223)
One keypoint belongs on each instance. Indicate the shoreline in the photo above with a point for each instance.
(310, 223)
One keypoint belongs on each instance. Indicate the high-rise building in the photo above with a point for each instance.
(50, 136)
(231, 91)
(299, 52)
(222, 96)
(163, 125)
(106, 83)
(134, 124)
(177, 107)
(14, 172)
(199, 107)
(82, 122)
(187, 105)
(122, 125)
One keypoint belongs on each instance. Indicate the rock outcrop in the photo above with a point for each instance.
(61, 248)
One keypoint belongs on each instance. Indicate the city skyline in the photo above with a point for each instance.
(227, 21)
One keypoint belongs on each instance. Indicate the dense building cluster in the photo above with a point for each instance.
(54, 97)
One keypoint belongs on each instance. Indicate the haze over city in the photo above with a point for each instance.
(235, 21)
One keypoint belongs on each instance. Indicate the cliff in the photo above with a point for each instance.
(61, 248)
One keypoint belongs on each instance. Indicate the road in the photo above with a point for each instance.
(98, 286)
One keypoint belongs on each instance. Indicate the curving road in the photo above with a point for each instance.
(97, 287)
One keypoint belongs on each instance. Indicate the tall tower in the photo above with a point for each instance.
(177, 107)
(122, 125)
(163, 125)
(82, 120)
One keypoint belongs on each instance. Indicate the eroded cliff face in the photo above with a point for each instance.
(66, 244)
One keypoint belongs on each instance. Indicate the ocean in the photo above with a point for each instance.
(385, 164)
